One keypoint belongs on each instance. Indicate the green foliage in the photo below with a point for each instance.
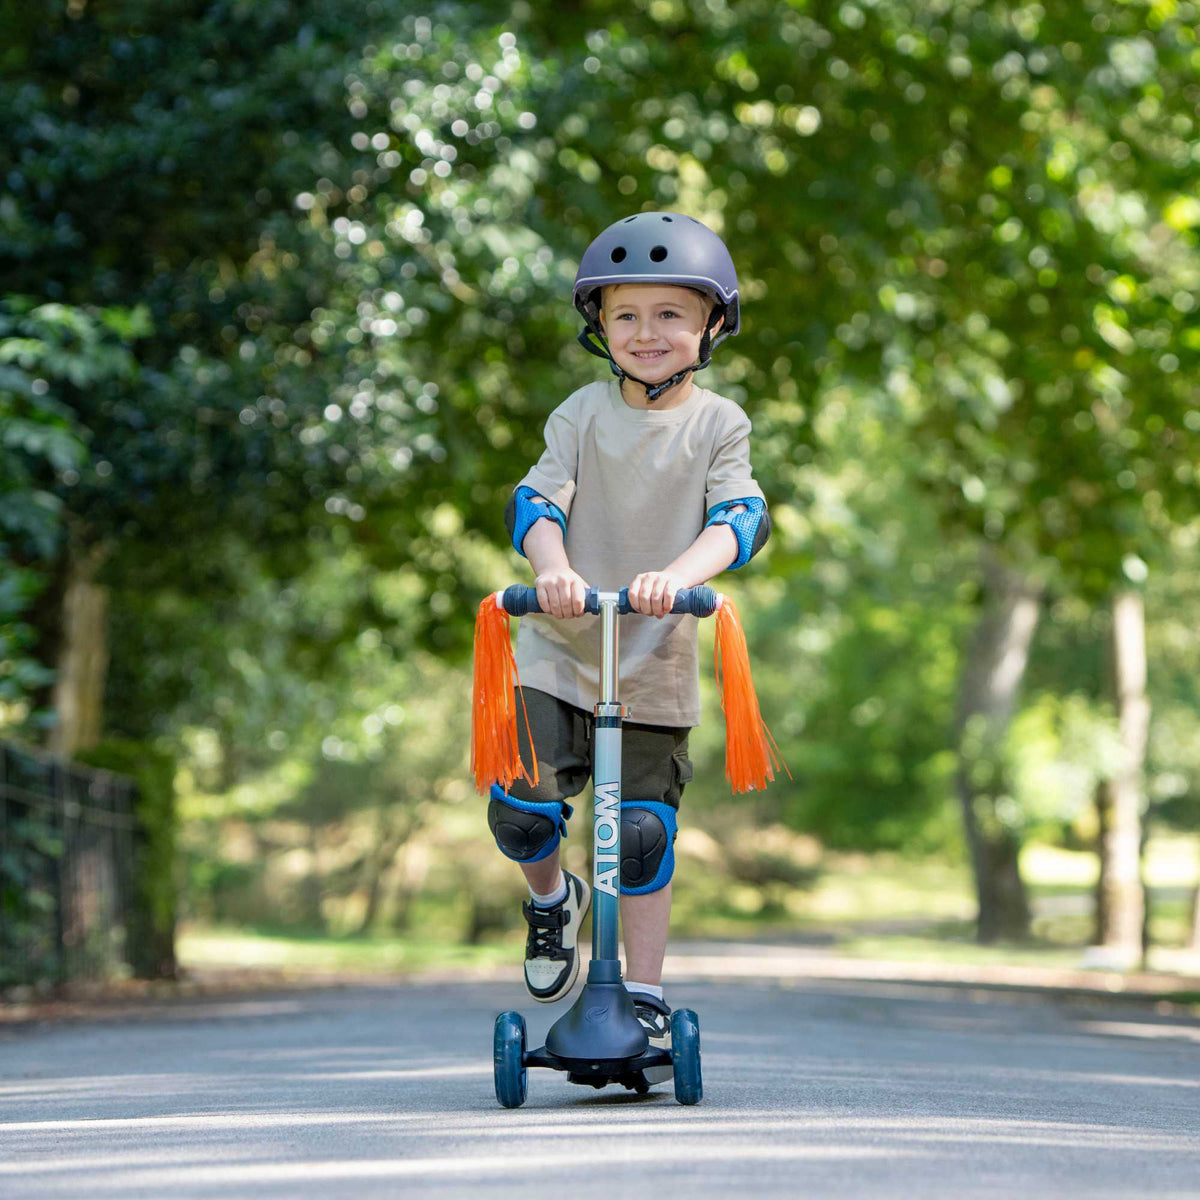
(30, 844)
(1058, 750)
(310, 265)
(1071, 666)
(151, 932)
(1037, 337)
(855, 636)
(152, 146)
(313, 828)
(47, 352)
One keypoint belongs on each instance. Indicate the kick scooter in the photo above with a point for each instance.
(599, 1040)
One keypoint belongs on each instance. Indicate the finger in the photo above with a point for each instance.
(660, 599)
(672, 590)
(656, 597)
(562, 601)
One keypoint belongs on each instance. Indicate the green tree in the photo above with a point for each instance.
(47, 352)
(355, 227)
(156, 153)
(1037, 340)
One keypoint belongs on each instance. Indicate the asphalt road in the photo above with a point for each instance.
(812, 1089)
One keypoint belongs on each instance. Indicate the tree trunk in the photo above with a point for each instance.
(992, 672)
(389, 839)
(1147, 898)
(1103, 822)
(1123, 908)
(312, 886)
(1194, 940)
(82, 657)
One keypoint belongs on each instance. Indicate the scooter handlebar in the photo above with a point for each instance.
(702, 601)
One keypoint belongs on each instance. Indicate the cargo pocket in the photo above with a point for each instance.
(682, 771)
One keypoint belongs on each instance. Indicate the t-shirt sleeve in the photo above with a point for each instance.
(555, 472)
(729, 473)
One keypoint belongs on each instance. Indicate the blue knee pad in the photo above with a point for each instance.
(647, 846)
(526, 830)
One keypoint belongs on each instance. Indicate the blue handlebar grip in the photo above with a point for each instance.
(519, 600)
(700, 601)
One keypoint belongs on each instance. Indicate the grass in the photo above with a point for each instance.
(208, 947)
(876, 906)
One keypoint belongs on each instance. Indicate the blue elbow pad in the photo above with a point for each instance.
(751, 528)
(523, 510)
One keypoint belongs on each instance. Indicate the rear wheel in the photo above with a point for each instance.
(685, 1056)
(508, 1059)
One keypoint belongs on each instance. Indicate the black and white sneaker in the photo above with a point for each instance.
(655, 1017)
(551, 960)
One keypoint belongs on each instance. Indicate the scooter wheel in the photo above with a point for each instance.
(685, 1056)
(508, 1059)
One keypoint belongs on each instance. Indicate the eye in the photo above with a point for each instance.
(668, 312)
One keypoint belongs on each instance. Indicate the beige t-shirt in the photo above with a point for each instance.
(636, 486)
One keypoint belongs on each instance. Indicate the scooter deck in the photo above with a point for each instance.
(599, 1073)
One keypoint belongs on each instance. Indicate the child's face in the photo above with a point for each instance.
(653, 329)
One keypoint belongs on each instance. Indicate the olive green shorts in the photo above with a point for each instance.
(654, 759)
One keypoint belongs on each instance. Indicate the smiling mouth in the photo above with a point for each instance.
(649, 353)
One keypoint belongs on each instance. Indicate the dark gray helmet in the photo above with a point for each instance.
(658, 247)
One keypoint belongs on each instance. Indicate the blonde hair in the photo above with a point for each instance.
(707, 297)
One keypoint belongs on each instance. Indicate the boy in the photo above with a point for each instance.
(645, 481)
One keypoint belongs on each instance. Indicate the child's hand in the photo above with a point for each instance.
(653, 592)
(560, 592)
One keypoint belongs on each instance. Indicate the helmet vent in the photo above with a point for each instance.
(658, 254)
(667, 219)
(618, 254)
(628, 219)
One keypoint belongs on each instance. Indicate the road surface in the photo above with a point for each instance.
(813, 1088)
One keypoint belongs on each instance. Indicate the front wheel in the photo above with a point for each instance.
(508, 1059)
(685, 1056)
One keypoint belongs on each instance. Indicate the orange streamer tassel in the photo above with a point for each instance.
(751, 755)
(495, 751)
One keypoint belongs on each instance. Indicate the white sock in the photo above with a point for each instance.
(551, 898)
(651, 989)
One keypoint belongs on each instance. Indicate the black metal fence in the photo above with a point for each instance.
(67, 844)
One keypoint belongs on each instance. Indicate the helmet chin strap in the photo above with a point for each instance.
(653, 390)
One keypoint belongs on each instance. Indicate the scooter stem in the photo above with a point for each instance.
(606, 779)
(601, 1026)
